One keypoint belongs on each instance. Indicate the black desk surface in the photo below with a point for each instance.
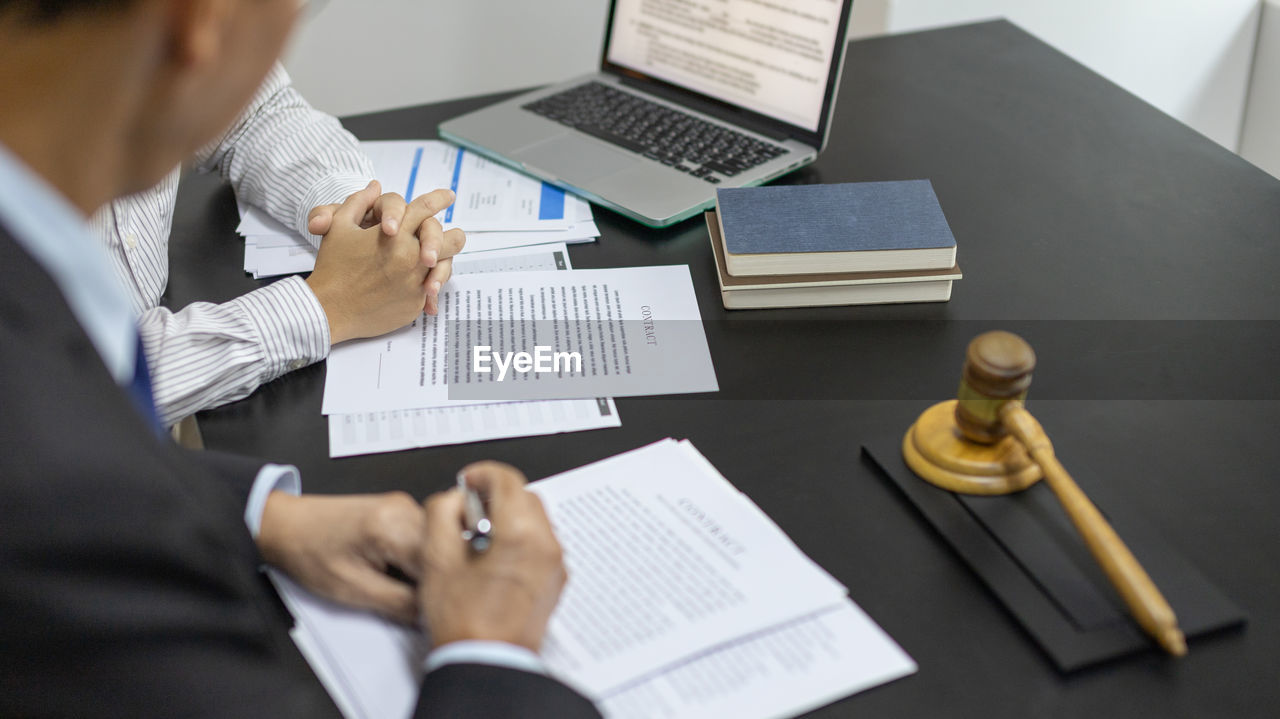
(1138, 257)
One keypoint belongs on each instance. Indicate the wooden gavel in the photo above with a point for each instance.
(986, 442)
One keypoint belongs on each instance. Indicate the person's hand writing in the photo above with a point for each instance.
(342, 547)
(368, 283)
(388, 212)
(506, 594)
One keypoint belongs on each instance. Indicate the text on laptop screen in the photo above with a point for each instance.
(769, 56)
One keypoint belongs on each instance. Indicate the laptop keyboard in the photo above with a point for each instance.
(656, 131)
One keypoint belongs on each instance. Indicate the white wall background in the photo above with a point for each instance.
(365, 55)
(431, 50)
(1260, 141)
(1190, 58)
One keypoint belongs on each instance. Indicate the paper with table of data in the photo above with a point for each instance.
(705, 608)
(372, 432)
(490, 196)
(583, 334)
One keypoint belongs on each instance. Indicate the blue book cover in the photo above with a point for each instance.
(849, 217)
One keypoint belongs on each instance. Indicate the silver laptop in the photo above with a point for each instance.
(689, 97)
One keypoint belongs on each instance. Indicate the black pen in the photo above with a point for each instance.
(478, 530)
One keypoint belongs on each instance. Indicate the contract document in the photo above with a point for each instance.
(533, 335)
(665, 559)
(782, 672)
(371, 432)
(704, 607)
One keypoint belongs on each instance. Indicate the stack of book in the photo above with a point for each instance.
(846, 244)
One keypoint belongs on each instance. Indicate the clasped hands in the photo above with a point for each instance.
(343, 547)
(382, 261)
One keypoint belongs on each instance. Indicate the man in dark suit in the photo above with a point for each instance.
(129, 582)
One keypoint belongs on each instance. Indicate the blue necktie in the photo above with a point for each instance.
(140, 391)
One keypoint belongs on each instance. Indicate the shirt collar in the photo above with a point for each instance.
(56, 235)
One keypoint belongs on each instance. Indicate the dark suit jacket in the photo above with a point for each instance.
(128, 581)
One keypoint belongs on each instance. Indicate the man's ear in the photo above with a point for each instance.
(198, 29)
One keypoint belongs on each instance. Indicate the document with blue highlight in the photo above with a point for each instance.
(491, 197)
(498, 208)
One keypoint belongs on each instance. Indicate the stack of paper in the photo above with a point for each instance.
(418, 386)
(498, 207)
(683, 600)
(410, 426)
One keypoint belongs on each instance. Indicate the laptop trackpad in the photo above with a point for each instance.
(574, 158)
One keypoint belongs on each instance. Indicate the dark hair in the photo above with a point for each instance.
(43, 11)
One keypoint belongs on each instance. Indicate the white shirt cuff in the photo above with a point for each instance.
(271, 477)
(291, 325)
(475, 651)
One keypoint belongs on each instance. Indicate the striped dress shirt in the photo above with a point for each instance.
(281, 155)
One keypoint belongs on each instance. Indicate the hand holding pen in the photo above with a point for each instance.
(504, 591)
(476, 528)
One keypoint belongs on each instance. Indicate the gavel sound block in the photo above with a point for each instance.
(986, 442)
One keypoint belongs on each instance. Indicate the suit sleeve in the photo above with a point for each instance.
(128, 581)
(479, 690)
(129, 584)
(236, 473)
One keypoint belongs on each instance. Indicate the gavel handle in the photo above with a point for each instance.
(1144, 600)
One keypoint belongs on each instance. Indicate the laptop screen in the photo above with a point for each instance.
(768, 56)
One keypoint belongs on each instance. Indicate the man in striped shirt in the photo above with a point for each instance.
(297, 163)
